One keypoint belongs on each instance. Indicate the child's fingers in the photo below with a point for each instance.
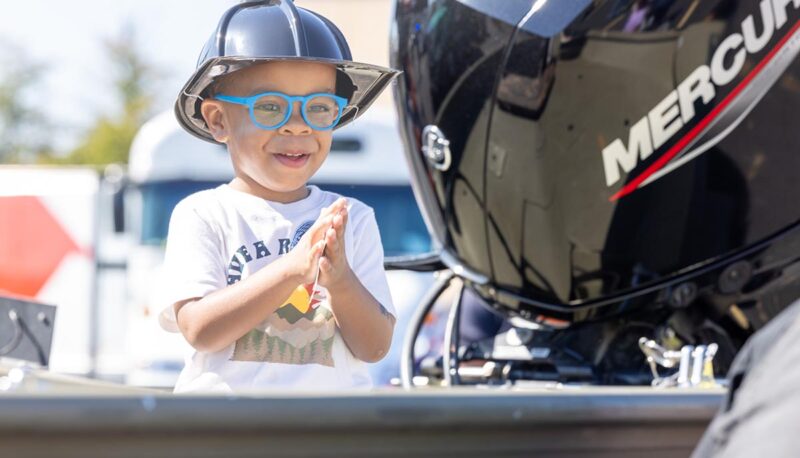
(337, 221)
(325, 264)
(317, 250)
(332, 239)
(321, 223)
(334, 207)
(340, 218)
(345, 214)
(335, 247)
(327, 218)
(337, 206)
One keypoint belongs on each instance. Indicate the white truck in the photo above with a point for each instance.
(166, 164)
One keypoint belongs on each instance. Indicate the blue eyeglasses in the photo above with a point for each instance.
(271, 110)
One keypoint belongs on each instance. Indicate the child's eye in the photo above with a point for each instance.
(319, 108)
(268, 107)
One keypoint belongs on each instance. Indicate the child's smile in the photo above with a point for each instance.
(292, 152)
(294, 160)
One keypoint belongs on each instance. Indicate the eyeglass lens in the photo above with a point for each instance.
(320, 111)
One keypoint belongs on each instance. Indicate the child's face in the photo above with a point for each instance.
(267, 161)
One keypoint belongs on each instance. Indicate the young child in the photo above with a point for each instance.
(276, 283)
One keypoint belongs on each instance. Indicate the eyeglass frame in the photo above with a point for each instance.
(250, 102)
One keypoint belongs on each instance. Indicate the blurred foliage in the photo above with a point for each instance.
(109, 139)
(23, 127)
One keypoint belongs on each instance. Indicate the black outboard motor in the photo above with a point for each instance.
(605, 170)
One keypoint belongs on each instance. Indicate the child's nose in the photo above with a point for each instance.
(296, 125)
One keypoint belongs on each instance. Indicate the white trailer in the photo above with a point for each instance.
(58, 246)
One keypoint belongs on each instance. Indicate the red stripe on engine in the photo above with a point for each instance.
(692, 134)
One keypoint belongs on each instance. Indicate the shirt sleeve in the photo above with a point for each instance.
(193, 264)
(368, 261)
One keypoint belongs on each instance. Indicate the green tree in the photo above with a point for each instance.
(23, 127)
(109, 139)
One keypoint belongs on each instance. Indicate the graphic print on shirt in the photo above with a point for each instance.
(301, 331)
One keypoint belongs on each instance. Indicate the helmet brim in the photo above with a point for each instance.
(368, 81)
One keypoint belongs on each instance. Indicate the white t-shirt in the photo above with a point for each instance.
(220, 236)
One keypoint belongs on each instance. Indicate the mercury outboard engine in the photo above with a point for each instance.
(612, 176)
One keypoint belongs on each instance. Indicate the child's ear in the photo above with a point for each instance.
(212, 113)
